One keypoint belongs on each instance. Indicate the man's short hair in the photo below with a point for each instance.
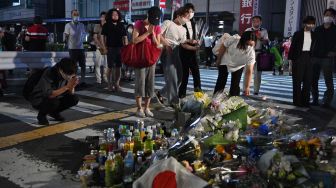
(74, 10)
(258, 17)
(67, 65)
(38, 20)
(189, 6)
(309, 19)
(333, 12)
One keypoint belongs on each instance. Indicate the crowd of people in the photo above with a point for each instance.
(308, 52)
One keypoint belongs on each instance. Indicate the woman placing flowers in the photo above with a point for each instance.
(234, 54)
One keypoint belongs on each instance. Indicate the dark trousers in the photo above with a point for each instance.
(186, 67)
(209, 56)
(302, 79)
(78, 55)
(222, 79)
(326, 65)
(57, 105)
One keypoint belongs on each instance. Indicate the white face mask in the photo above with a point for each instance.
(75, 18)
(130, 30)
(12, 29)
(328, 19)
(191, 15)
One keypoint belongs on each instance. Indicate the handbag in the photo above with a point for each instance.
(265, 61)
(143, 54)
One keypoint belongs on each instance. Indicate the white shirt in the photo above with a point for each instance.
(235, 58)
(76, 34)
(307, 41)
(208, 41)
(173, 33)
(190, 30)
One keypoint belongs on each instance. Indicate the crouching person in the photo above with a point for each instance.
(55, 91)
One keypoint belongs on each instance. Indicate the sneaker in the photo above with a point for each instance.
(140, 113)
(42, 119)
(57, 116)
(110, 88)
(148, 113)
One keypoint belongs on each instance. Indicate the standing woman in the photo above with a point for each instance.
(150, 31)
(299, 53)
(188, 55)
(114, 37)
(173, 35)
(235, 54)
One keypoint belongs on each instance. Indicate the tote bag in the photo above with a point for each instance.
(142, 54)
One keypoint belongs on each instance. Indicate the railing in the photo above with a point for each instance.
(34, 60)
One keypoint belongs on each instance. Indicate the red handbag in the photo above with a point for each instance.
(140, 55)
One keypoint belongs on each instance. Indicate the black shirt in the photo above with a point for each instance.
(114, 34)
(325, 41)
(50, 80)
(8, 42)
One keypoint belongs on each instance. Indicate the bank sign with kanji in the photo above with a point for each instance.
(248, 8)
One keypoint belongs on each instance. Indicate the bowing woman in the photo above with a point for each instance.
(234, 54)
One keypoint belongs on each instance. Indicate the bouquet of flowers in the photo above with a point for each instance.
(282, 170)
(195, 104)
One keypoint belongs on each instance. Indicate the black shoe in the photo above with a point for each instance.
(159, 97)
(57, 116)
(42, 119)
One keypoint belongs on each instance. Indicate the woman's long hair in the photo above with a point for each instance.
(109, 16)
(246, 36)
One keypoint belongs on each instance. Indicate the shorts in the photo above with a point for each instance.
(78, 56)
(114, 57)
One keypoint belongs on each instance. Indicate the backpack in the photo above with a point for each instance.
(31, 82)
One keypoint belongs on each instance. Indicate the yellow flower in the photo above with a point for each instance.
(198, 95)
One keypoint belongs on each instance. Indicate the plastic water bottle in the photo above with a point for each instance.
(128, 167)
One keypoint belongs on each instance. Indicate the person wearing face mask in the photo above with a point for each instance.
(55, 91)
(235, 54)
(8, 40)
(262, 39)
(173, 35)
(74, 36)
(100, 56)
(188, 55)
(147, 30)
(299, 53)
(114, 37)
(323, 52)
